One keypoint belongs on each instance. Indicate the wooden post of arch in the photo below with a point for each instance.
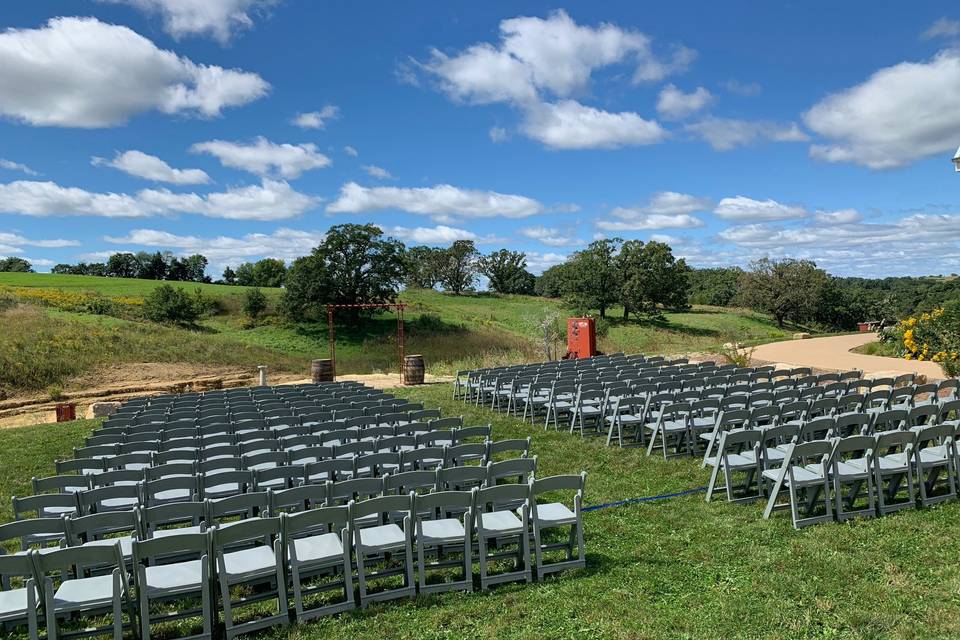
(398, 307)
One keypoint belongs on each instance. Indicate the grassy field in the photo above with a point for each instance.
(677, 568)
(115, 286)
(47, 346)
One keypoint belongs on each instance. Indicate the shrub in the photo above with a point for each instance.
(167, 304)
(933, 336)
(254, 303)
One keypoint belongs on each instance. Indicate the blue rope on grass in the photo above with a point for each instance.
(623, 503)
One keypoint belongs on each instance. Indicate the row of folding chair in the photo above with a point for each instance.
(272, 555)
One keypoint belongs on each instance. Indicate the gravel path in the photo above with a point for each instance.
(834, 353)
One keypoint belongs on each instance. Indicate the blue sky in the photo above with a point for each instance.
(245, 128)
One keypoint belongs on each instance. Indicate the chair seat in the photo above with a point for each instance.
(801, 475)
(222, 490)
(670, 426)
(854, 468)
(13, 604)
(163, 533)
(501, 522)
(934, 455)
(84, 593)
(126, 544)
(250, 563)
(893, 462)
(56, 512)
(262, 466)
(179, 577)
(745, 460)
(172, 495)
(382, 537)
(625, 418)
(321, 548)
(444, 530)
(119, 504)
(554, 514)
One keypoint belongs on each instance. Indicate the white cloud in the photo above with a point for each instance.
(263, 157)
(286, 244)
(551, 236)
(942, 28)
(666, 210)
(674, 104)
(350, 151)
(270, 200)
(10, 165)
(571, 125)
(724, 134)
(218, 18)
(741, 208)
(499, 134)
(537, 263)
(438, 235)
(536, 58)
(900, 114)
(439, 200)
(80, 72)
(742, 88)
(16, 240)
(316, 119)
(142, 165)
(843, 216)
(377, 172)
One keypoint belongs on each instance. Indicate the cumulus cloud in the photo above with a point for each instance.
(942, 28)
(552, 236)
(286, 244)
(10, 165)
(377, 172)
(741, 208)
(219, 19)
(724, 134)
(536, 58)
(537, 262)
(665, 210)
(674, 104)
(16, 240)
(897, 116)
(270, 200)
(746, 89)
(80, 72)
(264, 158)
(148, 167)
(499, 134)
(350, 151)
(316, 119)
(438, 235)
(843, 216)
(439, 200)
(571, 125)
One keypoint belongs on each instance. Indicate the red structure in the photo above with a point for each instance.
(581, 338)
(331, 309)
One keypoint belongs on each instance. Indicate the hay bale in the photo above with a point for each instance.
(801, 336)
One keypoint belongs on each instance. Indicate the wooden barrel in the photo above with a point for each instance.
(413, 370)
(321, 370)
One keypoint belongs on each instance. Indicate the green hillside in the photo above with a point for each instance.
(51, 345)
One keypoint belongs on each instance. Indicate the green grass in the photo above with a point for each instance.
(678, 568)
(115, 286)
(878, 348)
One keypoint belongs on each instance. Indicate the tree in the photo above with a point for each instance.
(155, 267)
(355, 264)
(458, 267)
(552, 282)
(787, 289)
(254, 303)
(717, 287)
(507, 272)
(592, 277)
(245, 274)
(14, 263)
(229, 276)
(195, 267)
(651, 278)
(123, 265)
(269, 272)
(421, 267)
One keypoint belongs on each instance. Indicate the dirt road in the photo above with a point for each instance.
(834, 353)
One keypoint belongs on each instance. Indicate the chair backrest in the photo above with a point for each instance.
(489, 497)
(168, 517)
(851, 424)
(71, 561)
(147, 551)
(817, 429)
(793, 411)
(296, 499)
(949, 412)
(822, 407)
(242, 506)
(763, 416)
(69, 483)
(923, 414)
(735, 441)
(344, 491)
(410, 481)
(31, 531)
(250, 531)
(98, 526)
(516, 470)
(425, 506)
(934, 436)
(36, 506)
(333, 469)
(306, 523)
(383, 506)
(460, 478)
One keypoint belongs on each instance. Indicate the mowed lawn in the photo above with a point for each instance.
(116, 286)
(678, 568)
